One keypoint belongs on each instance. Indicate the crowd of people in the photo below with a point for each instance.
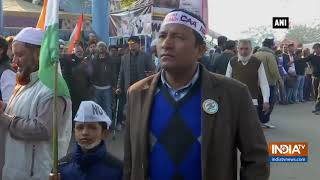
(292, 71)
(96, 74)
(175, 103)
(95, 71)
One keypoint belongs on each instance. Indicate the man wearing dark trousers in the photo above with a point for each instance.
(314, 60)
(135, 66)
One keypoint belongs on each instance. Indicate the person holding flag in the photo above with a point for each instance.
(28, 117)
(90, 159)
(76, 36)
(40, 104)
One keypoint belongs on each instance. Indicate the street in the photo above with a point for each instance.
(294, 123)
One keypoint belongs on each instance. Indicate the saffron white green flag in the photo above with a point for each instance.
(49, 53)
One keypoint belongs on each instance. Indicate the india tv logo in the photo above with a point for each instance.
(288, 152)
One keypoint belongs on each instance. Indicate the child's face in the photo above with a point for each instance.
(89, 135)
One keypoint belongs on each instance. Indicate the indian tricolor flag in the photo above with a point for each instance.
(76, 35)
(49, 53)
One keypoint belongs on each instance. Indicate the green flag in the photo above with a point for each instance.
(49, 53)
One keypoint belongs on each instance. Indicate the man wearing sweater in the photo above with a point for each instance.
(187, 123)
(250, 71)
(268, 58)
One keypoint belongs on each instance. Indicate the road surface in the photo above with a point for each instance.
(294, 123)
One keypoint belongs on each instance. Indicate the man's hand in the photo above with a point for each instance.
(266, 108)
(54, 177)
(118, 91)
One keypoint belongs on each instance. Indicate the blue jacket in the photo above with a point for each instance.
(97, 164)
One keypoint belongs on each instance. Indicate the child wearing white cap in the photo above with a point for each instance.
(90, 159)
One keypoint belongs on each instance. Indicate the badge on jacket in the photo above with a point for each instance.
(210, 106)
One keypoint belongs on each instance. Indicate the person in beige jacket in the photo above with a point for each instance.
(268, 58)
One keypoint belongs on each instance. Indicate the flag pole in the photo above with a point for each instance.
(55, 172)
(56, 175)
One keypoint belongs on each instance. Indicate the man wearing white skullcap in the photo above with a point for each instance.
(187, 123)
(90, 159)
(28, 116)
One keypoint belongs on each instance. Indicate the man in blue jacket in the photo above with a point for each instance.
(90, 159)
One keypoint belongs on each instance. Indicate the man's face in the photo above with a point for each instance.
(291, 49)
(89, 135)
(306, 52)
(78, 51)
(26, 60)
(134, 47)
(92, 37)
(244, 50)
(102, 49)
(113, 52)
(177, 48)
(285, 49)
(121, 51)
(299, 55)
(317, 51)
(92, 48)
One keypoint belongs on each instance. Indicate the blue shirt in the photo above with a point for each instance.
(181, 92)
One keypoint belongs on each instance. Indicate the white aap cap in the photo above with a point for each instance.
(30, 35)
(90, 111)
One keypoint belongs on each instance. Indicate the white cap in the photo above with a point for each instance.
(61, 41)
(30, 35)
(90, 111)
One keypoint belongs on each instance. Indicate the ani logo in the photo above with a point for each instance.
(280, 22)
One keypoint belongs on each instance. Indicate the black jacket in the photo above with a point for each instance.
(221, 63)
(102, 72)
(315, 64)
(205, 61)
(300, 66)
(77, 75)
